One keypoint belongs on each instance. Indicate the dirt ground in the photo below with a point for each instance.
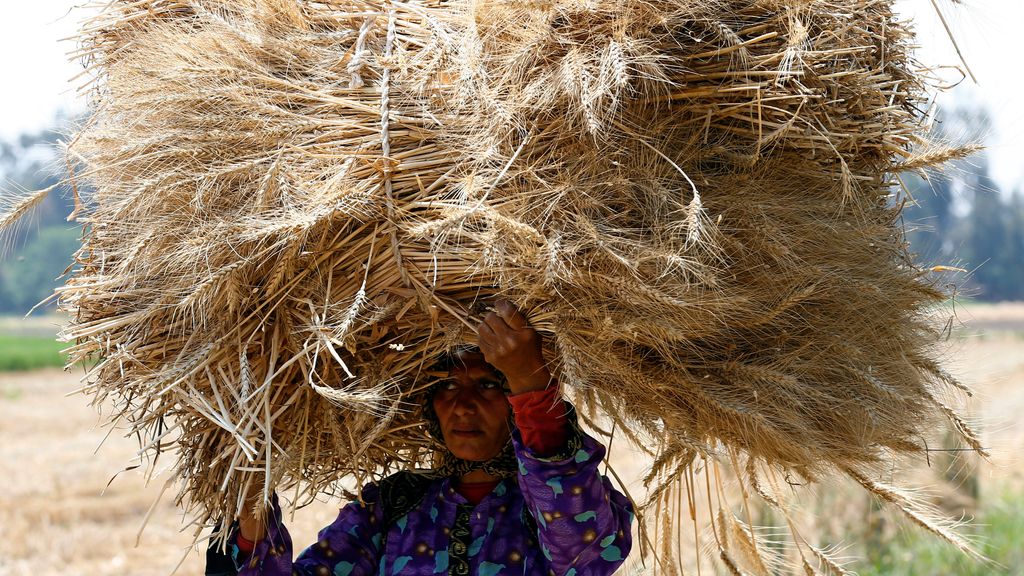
(59, 516)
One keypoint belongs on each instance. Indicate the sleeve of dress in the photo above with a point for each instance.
(540, 418)
(349, 546)
(582, 521)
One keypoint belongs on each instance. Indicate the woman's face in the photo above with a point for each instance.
(472, 409)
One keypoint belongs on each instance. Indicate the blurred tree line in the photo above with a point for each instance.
(958, 217)
(36, 252)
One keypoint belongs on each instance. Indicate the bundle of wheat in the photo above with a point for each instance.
(299, 204)
(245, 281)
(702, 196)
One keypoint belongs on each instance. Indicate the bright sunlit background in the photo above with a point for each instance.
(36, 64)
(59, 515)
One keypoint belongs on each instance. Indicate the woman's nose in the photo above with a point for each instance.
(466, 401)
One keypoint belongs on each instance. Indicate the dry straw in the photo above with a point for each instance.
(297, 205)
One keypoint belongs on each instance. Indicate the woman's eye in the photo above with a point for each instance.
(445, 385)
(490, 385)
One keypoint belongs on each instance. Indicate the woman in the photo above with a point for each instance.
(509, 499)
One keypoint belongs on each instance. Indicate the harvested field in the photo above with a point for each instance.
(56, 518)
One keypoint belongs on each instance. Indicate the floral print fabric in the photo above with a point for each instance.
(558, 515)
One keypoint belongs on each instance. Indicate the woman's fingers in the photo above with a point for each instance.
(508, 342)
(485, 332)
(512, 317)
(497, 324)
(505, 318)
(512, 346)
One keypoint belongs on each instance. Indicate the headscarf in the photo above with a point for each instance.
(501, 465)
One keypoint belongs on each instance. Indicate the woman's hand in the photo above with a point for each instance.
(513, 347)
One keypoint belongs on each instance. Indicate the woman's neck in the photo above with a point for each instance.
(477, 476)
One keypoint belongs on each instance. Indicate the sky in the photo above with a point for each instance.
(988, 33)
(35, 69)
(37, 74)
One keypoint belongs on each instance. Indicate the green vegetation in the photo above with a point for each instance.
(35, 251)
(32, 276)
(999, 534)
(19, 353)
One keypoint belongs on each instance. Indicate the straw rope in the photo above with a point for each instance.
(385, 141)
(358, 53)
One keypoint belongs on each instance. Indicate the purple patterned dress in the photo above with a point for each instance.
(558, 515)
